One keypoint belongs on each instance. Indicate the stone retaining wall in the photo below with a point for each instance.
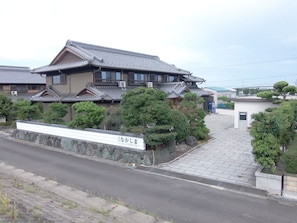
(125, 155)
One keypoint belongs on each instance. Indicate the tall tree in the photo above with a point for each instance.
(195, 115)
(87, 115)
(25, 110)
(5, 105)
(55, 113)
(145, 106)
(112, 119)
(272, 130)
(266, 146)
(283, 88)
(146, 111)
(280, 88)
(181, 125)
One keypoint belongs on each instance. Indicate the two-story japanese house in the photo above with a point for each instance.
(85, 72)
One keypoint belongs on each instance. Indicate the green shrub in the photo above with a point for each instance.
(181, 125)
(87, 115)
(291, 161)
(159, 135)
(55, 113)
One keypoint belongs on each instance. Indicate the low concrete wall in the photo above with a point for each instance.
(100, 150)
(290, 186)
(2, 119)
(273, 184)
(270, 182)
(113, 138)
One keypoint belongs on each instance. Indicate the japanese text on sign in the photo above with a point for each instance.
(127, 140)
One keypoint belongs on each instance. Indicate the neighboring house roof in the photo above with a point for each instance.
(250, 99)
(19, 75)
(99, 56)
(221, 89)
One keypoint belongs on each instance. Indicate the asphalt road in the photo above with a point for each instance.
(171, 199)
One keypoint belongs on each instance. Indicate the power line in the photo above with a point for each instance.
(244, 64)
(227, 83)
(257, 78)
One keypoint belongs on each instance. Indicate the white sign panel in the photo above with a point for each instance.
(105, 138)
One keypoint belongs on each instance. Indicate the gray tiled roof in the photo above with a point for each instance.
(48, 94)
(94, 94)
(174, 88)
(113, 58)
(19, 75)
(193, 78)
(60, 67)
(112, 93)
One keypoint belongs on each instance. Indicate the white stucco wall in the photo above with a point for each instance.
(98, 136)
(2, 119)
(250, 107)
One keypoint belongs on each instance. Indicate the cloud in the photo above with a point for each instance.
(191, 34)
(290, 40)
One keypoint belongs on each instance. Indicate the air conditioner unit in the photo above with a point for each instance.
(14, 93)
(149, 84)
(122, 84)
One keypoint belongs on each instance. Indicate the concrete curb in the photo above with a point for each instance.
(208, 182)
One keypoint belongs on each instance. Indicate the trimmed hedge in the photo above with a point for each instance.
(291, 161)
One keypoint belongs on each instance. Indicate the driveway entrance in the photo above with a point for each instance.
(226, 157)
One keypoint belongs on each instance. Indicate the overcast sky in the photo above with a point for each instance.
(229, 43)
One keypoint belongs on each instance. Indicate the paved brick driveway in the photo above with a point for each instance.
(226, 157)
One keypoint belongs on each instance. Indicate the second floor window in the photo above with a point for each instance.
(59, 79)
(138, 78)
(171, 78)
(107, 77)
(34, 87)
(157, 78)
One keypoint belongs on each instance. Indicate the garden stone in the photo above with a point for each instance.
(106, 154)
(136, 159)
(146, 160)
(127, 158)
(82, 148)
(117, 155)
(191, 141)
(90, 149)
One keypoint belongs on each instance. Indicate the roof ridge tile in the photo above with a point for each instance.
(108, 49)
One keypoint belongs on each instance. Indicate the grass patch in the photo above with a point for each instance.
(13, 212)
(10, 211)
(69, 204)
(30, 189)
(99, 211)
(17, 184)
(4, 203)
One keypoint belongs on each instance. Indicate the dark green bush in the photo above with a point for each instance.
(291, 161)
